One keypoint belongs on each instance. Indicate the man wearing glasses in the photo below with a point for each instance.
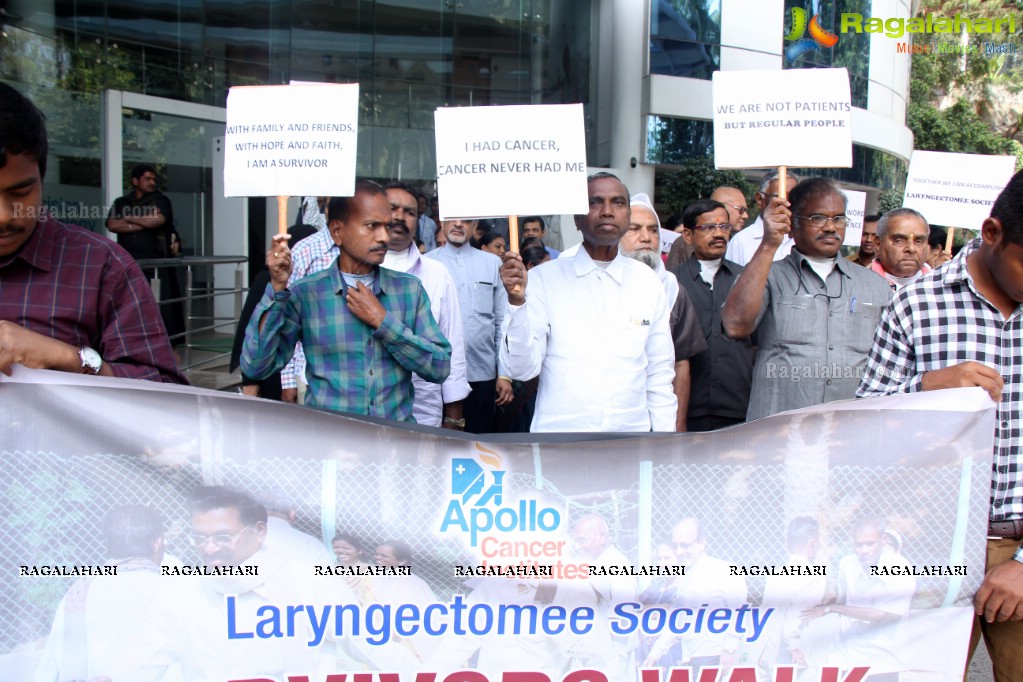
(206, 622)
(745, 243)
(720, 377)
(814, 312)
(734, 202)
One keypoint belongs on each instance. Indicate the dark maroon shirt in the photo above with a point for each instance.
(78, 287)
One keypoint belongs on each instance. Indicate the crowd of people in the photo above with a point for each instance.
(736, 322)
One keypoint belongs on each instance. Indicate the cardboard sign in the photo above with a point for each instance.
(855, 209)
(957, 190)
(799, 118)
(294, 140)
(515, 160)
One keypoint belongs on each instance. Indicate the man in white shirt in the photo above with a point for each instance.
(594, 327)
(745, 243)
(435, 404)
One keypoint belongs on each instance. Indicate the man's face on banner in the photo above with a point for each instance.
(221, 539)
(867, 545)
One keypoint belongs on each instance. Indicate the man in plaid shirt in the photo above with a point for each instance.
(961, 326)
(365, 329)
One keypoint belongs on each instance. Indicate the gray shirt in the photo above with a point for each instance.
(483, 300)
(813, 336)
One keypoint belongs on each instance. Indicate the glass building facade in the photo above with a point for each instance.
(408, 56)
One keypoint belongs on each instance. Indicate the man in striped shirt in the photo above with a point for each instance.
(962, 325)
(365, 329)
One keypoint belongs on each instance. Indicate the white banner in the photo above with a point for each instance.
(544, 559)
(855, 209)
(513, 160)
(956, 190)
(292, 140)
(796, 117)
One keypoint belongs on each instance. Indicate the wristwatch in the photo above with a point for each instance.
(92, 363)
(460, 423)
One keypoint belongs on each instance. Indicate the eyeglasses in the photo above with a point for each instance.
(817, 220)
(219, 540)
(739, 209)
(712, 227)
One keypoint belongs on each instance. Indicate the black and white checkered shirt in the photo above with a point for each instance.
(942, 320)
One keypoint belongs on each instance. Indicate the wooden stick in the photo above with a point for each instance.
(513, 239)
(949, 240)
(282, 215)
(513, 233)
(783, 182)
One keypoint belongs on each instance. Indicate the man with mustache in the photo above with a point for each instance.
(901, 245)
(365, 329)
(435, 404)
(814, 312)
(70, 300)
(594, 328)
(720, 377)
(476, 275)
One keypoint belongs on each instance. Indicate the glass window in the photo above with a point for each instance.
(685, 37)
(852, 50)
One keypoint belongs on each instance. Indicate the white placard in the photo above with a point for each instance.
(798, 117)
(293, 140)
(956, 190)
(514, 160)
(856, 206)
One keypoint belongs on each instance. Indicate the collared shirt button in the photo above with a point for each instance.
(371, 372)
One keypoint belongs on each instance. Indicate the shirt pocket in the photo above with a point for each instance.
(483, 298)
(796, 319)
(863, 321)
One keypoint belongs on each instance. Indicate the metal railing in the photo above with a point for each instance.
(193, 295)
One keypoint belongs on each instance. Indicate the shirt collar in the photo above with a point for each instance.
(956, 270)
(693, 264)
(340, 286)
(841, 264)
(584, 265)
(327, 244)
(37, 250)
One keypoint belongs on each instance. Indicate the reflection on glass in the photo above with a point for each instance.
(685, 37)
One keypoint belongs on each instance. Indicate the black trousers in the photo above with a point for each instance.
(478, 407)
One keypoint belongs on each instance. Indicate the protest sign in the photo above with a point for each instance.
(796, 117)
(956, 190)
(513, 160)
(521, 560)
(291, 140)
(856, 203)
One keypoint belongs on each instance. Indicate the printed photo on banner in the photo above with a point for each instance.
(796, 117)
(956, 190)
(513, 160)
(835, 539)
(291, 140)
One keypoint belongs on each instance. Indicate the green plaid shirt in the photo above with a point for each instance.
(350, 367)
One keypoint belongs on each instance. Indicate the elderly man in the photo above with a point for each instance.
(743, 245)
(734, 202)
(478, 282)
(366, 329)
(594, 327)
(921, 345)
(70, 300)
(901, 247)
(640, 243)
(435, 404)
(721, 376)
(814, 312)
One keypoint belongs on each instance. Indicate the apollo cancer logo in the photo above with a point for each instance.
(819, 37)
(477, 501)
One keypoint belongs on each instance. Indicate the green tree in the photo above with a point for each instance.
(696, 178)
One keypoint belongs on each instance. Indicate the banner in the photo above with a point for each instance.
(855, 209)
(511, 160)
(407, 553)
(292, 140)
(956, 190)
(798, 118)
